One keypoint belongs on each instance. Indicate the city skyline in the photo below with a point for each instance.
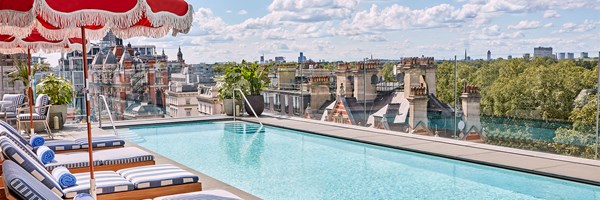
(351, 30)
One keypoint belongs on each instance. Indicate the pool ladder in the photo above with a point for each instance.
(109, 115)
(249, 105)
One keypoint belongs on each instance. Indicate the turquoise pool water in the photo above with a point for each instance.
(276, 163)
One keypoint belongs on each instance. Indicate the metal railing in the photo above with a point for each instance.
(249, 105)
(109, 115)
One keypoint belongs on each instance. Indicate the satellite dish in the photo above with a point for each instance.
(400, 77)
(461, 125)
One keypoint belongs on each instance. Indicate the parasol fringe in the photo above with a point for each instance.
(17, 18)
(59, 34)
(141, 31)
(20, 46)
(90, 17)
(17, 32)
(180, 23)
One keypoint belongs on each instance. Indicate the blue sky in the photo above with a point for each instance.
(232, 30)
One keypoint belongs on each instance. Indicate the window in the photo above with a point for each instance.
(188, 112)
(78, 78)
(187, 101)
(277, 99)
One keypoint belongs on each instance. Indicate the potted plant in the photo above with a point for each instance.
(60, 92)
(226, 85)
(21, 74)
(257, 78)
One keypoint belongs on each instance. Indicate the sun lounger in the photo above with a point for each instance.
(109, 159)
(70, 145)
(204, 195)
(27, 180)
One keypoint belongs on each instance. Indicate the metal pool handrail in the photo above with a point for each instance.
(109, 115)
(249, 105)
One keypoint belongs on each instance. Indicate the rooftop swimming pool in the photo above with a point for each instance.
(277, 163)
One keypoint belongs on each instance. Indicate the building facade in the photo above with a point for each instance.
(208, 102)
(182, 100)
(543, 52)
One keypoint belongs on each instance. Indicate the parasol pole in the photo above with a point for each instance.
(87, 113)
(30, 92)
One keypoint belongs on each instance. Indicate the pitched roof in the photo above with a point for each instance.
(110, 58)
(98, 59)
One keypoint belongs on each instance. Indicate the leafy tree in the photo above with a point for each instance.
(388, 72)
(221, 68)
(445, 80)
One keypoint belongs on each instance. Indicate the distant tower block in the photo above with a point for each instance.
(471, 107)
(419, 72)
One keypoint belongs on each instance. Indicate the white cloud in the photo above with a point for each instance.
(525, 25)
(586, 26)
(343, 30)
(551, 14)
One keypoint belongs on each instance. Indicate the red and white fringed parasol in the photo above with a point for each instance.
(37, 43)
(18, 13)
(57, 19)
(149, 18)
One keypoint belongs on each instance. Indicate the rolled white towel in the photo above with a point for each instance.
(63, 176)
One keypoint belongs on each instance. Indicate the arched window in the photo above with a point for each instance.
(374, 79)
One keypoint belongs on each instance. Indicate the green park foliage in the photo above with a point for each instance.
(533, 99)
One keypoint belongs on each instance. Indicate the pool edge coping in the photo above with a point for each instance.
(365, 140)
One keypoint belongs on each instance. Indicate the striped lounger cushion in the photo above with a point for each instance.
(122, 156)
(106, 182)
(18, 144)
(14, 132)
(24, 185)
(157, 176)
(205, 195)
(34, 168)
(61, 145)
(71, 161)
(35, 116)
(102, 141)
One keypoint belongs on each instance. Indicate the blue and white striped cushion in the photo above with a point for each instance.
(8, 114)
(26, 148)
(106, 182)
(61, 145)
(72, 160)
(122, 156)
(13, 131)
(38, 171)
(157, 176)
(35, 116)
(40, 103)
(15, 99)
(24, 185)
(102, 141)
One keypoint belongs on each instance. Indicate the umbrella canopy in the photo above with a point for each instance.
(36, 42)
(58, 19)
(117, 14)
(17, 13)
